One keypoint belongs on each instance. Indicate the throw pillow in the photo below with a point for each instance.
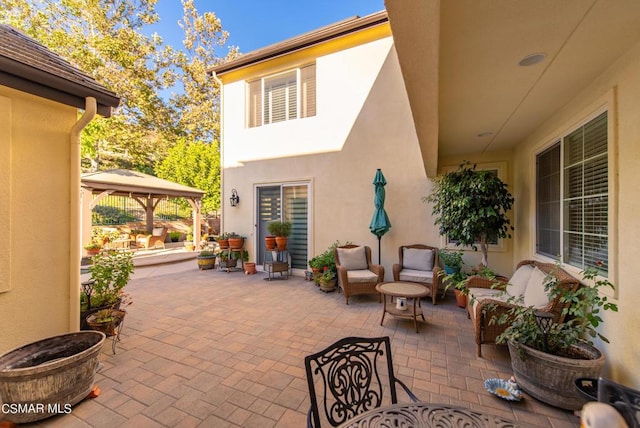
(157, 231)
(417, 259)
(535, 294)
(353, 258)
(519, 280)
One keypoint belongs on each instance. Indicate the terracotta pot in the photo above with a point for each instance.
(224, 243)
(270, 242)
(249, 268)
(236, 242)
(551, 378)
(461, 298)
(281, 242)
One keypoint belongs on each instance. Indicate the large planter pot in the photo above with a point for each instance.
(250, 268)
(206, 262)
(328, 286)
(108, 327)
(550, 378)
(51, 374)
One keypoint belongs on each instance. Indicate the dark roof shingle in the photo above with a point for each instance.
(29, 66)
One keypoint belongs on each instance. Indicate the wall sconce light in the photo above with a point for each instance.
(235, 199)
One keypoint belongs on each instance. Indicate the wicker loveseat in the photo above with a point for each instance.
(528, 281)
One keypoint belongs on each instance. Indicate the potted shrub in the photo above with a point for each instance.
(457, 280)
(327, 280)
(206, 260)
(188, 242)
(223, 239)
(470, 207)
(235, 240)
(451, 260)
(93, 248)
(547, 357)
(175, 235)
(110, 273)
(107, 320)
(281, 230)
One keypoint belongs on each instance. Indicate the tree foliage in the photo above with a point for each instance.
(471, 206)
(106, 39)
(197, 165)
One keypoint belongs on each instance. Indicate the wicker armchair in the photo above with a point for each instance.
(486, 302)
(151, 241)
(410, 270)
(356, 273)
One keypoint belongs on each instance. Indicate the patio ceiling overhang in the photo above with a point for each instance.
(124, 182)
(459, 62)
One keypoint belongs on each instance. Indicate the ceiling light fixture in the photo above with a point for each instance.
(532, 59)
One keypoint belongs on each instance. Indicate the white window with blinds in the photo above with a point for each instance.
(280, 97)
(572, 197)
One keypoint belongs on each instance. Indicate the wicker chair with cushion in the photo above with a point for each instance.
(418, 263)
(157, 237)
(487, 300)
(346, 379)
(356, 273)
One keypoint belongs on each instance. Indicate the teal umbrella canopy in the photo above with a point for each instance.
(380, 223)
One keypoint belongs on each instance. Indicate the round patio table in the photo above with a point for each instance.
(426, 415)
(409, 290)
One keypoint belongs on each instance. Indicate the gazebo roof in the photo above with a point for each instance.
(133, 183)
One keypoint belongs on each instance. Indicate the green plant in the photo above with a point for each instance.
(581, 321)
(237, 254)
(451, 258)
(111, 271)
(206, 253)
(471, 206)
(175, 235)
(327, 276)
(456, 279)
(93, 245)
(280, 228)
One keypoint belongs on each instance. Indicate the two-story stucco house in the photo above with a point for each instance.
(40, 251)
(544, 92)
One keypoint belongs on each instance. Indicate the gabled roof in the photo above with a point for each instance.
(125, 182)
(28, 66)
(321, 35)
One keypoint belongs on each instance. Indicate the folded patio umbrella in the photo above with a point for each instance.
(380, 223)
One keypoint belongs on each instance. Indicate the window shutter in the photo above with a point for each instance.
(255, 103)
(308, 91)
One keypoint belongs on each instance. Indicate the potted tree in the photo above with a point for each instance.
(470, 207)
(547, 357)
(281, 230)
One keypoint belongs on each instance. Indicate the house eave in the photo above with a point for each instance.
(322, 35)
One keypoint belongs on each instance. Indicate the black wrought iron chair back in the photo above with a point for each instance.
(352, 372)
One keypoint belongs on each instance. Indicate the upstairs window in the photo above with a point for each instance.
(572, 197)
(283, 96)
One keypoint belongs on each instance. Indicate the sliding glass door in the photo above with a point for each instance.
(285, 202)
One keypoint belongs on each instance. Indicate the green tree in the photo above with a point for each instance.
(197, 165)
(105, 38)
(471, 206)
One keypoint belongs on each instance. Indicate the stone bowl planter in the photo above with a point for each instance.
(51, 375)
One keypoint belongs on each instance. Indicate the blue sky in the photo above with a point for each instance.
(254, 24)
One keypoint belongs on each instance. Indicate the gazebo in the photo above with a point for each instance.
(145, 189)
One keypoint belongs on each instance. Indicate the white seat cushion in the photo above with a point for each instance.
(157, 231)
(361, 275)
(519, 280)
(353, 258)
(535, 294)
(417, 259)
(412, 275)
(477, 295)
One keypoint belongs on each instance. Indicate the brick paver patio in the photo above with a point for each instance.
(216, 349)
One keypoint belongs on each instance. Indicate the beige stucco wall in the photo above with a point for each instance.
(34, 191)
(619, 90)
(363, 122)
